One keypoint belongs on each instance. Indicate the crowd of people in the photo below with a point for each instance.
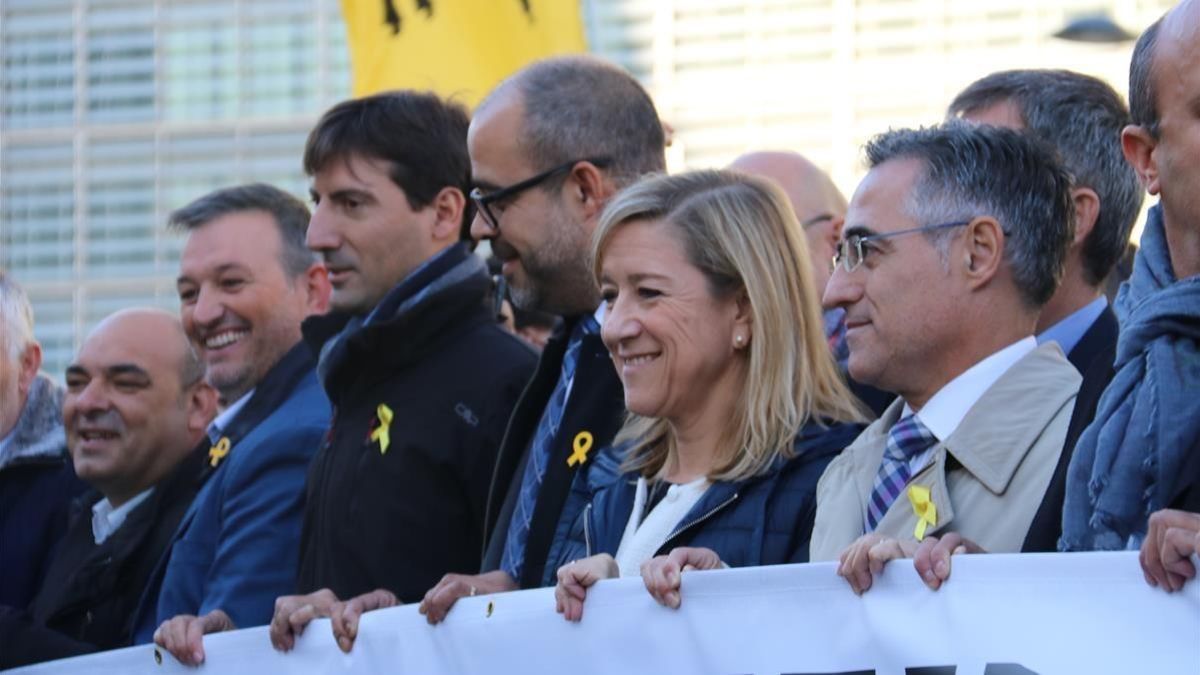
(337, 420)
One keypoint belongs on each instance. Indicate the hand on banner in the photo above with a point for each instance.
(1172, 537)
(438, 601)
(932, 558)
(663, 575)
(345, 615)
(865, 558)
(294, 612)
(183, 635)
(575, 578)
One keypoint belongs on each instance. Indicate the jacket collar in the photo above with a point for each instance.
(38, 435)
(410, 320)
(270, 393)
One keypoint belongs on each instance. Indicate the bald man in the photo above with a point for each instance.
(135, 411)
(820, 209)
(819, 205)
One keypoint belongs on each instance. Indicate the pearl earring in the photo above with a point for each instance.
(739, 340)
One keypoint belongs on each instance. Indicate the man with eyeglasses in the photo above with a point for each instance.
(821, 210)
(549, 147)
(953, 242)
(421, 377)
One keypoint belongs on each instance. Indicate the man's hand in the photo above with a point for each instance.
(183, 635)
(1172, 537)
(865, 558)
(294, 612)
(663, 574)
(575, 578)
(932, 558)
(345, 615)
(441, 598)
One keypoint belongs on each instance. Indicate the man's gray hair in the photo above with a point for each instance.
(290, 214)
(16, 317)
(581, 107)
(1082, 117)
(971, 170)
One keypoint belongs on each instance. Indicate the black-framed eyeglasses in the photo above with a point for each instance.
(851, 250)
(484, 201)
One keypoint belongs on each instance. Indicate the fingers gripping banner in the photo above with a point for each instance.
(997, 615)
(459, 48)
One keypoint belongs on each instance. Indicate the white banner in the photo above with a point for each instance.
(997, 615)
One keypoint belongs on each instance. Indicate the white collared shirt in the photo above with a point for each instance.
(644, 536)
(946, 409)
(106, 519)
(218, 425)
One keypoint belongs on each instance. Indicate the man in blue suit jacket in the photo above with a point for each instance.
(246, 282)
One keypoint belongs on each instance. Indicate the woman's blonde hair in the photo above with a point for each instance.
(740, 231)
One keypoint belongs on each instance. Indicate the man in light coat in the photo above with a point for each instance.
(953, 242)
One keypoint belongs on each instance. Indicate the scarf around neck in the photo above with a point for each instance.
(1148, 419)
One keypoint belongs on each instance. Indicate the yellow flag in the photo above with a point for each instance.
(457, 48)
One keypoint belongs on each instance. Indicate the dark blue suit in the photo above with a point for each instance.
(237, 547)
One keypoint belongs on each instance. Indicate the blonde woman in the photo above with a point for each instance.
(735, 402)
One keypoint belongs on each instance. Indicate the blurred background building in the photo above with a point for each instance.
(115, 112)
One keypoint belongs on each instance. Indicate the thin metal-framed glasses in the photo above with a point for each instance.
(851, 250)
(483, 201)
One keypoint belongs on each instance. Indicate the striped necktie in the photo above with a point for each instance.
(907, 439)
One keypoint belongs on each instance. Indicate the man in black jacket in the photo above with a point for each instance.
(549, 146)
(421, 376)
(135, 411)
(1081, 117)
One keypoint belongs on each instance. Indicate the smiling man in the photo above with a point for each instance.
(135, 410)
(246, 281)
(954, 241)
(422, 377)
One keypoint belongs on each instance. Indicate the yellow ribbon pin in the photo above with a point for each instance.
(580, 447)
(923, 507)
(381, 432)
(217, 452)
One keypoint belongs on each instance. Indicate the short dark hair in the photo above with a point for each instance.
(580, 107)
(290, 215)
(422, 138)
(972, 170)
(1143, 95)
(1082, 117)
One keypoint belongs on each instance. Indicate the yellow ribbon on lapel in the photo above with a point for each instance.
(217, 452)
(923, 507)
(579, 448)
(381, 432)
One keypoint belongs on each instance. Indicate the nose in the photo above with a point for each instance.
(92, 398)
(208, 308)
(844, 288)
(620, 323)
(480, 228)
(322, 235)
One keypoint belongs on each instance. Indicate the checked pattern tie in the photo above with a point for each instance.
(539, 454)
(907, 439)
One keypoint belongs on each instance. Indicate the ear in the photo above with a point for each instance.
(589, 188)
(743, 319)
(1138, 146)
(201, 407)
(983, 244)
(317, 288)
(31, 361)
(1087, 210)
(448, 206)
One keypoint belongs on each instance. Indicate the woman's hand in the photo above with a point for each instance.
(345, 615)
(664, 574)
(575, 578)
